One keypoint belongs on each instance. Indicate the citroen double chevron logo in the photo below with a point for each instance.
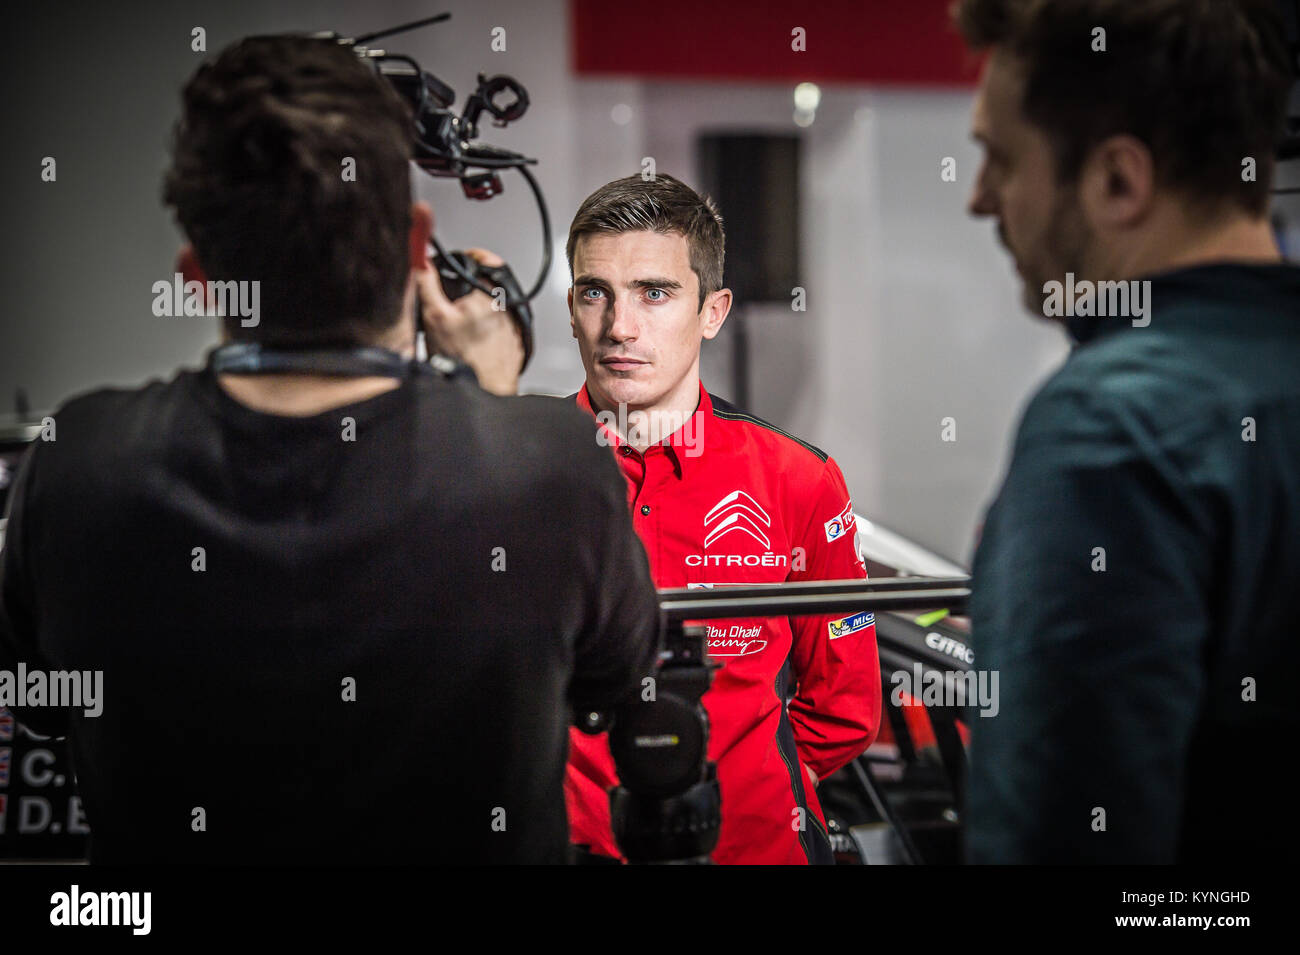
(737, 512)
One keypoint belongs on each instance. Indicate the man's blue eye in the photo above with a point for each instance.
(590, 292)
(656, 292)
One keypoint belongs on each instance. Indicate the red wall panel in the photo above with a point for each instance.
(909, 42)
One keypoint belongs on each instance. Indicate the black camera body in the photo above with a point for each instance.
(667, 807)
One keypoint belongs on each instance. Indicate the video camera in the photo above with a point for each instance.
(446, 146)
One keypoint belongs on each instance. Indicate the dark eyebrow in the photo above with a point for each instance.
(638, 283)
(656, 283)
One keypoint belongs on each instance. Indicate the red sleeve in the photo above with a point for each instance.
(836, 708)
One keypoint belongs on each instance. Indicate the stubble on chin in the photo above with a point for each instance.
(1066, 243)
(1033, 296)
(619, 390)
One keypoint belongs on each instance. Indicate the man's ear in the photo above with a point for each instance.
(187, 263)
(1117, 182)
(714, 313)
(573, 329)
(421, 231)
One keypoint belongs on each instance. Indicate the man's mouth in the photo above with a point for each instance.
(622, 363)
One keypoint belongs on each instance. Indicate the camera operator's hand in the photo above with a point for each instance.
(471, 330)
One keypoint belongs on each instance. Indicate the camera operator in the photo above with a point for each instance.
(1134, 581)
(330, 623)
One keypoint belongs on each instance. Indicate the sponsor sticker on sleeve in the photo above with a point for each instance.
(841, 524)
(846, 625)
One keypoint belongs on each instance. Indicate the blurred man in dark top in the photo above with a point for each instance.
(1135, 578)
(340, 615)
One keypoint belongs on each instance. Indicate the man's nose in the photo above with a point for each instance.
(621, 323)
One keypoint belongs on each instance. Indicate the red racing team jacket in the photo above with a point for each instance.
(731, 499)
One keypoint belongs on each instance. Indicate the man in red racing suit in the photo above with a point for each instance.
(718, 497)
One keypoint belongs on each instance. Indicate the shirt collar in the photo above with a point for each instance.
(684, 447)
(1206, 286)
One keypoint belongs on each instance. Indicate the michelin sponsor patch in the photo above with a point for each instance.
(841, 524)
(846, 625)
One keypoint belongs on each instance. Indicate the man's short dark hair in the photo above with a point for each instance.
(1203, 83)
(257, 183)
(660, 204)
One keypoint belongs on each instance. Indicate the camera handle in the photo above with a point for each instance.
(460, 274)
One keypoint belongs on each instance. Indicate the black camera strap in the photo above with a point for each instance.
(250, 358)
